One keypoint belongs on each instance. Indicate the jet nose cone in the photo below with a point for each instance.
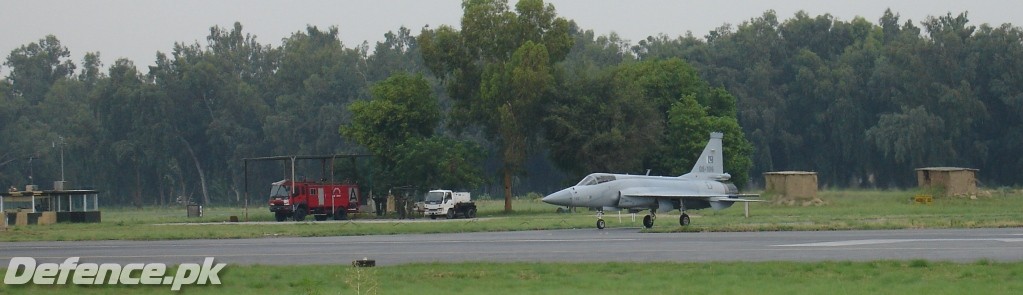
(562, 198)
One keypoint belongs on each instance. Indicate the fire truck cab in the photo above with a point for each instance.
(297, 199)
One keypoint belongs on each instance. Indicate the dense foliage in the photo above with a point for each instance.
(521, 98)
(864, 104)
(397, 127)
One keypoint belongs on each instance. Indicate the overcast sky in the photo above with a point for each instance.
(138, 29)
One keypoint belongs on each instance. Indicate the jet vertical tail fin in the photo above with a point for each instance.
(710, 165)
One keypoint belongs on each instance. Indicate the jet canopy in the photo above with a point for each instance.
(596, 178)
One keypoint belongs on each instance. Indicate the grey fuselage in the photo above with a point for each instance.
(604, 191)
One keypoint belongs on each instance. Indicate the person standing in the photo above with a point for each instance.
(399, 204)
(381, 204)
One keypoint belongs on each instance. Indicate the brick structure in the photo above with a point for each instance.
(954, 181)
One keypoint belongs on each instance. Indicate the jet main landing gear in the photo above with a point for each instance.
(648, 221)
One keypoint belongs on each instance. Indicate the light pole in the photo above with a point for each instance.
(30, 158)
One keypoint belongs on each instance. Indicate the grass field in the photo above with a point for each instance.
(879, 277)
(840, 210)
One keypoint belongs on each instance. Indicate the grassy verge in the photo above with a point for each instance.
(848, 210)
(879, 277)
(841, 210)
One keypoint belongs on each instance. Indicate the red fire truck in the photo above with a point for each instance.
(296, 200)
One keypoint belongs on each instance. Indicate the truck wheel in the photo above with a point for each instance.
(341, 213)
(299, 214)
(451, 213)
(433, 216)
(280, 216)
(320, 217)
(471, 213)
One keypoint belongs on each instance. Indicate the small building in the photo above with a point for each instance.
(49, 206)
(954, 181)
(792, 185)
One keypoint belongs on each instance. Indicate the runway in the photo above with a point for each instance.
(578, 245)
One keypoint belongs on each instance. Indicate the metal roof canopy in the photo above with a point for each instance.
(946, 169)
(790, 173)
(45, 193)
(323, 167)
(307, 157)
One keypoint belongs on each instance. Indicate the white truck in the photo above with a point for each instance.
(449, 204)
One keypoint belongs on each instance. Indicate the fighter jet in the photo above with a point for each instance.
(705, 186)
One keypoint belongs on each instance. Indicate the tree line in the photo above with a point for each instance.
(864, 104)
(521, 99)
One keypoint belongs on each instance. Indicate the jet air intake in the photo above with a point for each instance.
(633, 202)
(666, 205)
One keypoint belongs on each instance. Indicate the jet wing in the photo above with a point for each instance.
(654, 192)
(731, 199)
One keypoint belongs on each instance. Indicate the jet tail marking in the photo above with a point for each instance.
(711, 162)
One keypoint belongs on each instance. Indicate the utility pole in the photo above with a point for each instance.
(62, 158)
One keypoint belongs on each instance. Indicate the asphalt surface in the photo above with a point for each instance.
(579, 245)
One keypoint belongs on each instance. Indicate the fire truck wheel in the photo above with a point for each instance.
(341, 214)
(281, 216)
(320, 217)
(300, 214)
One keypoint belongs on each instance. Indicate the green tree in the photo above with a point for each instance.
(688, 122)
(217, 95)
(315, 79)
(654, 114)
(601, 128)
(402, 108)
(398, 125)
(438, 162)
(498, 70)
(36, 66)
(10, 107)
(909, 137)
(34, 69)
(126, 111)
(999, 54)
(399, 52)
